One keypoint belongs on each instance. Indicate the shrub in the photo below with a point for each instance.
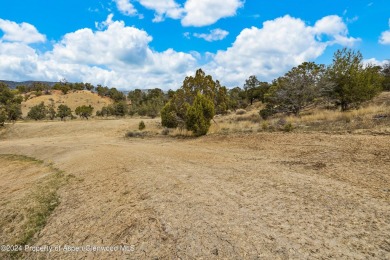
(288, 127)
(37, 112)
(120, 108)
(195, 103)
(199, 115)
(267, 112)
(14, 111)
(84, 111)
(10, 107)
(3, 116)
(141, 126)
(352, 82)
(168, 116)
(265, 125)
(64, 111)
(106, 111)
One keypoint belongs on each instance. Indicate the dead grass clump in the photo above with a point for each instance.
(165, 131)
(135, 134)
(335, 120)
(254, 118)
(181, 132)
(368, 117)
(281, 124)
(240, 111)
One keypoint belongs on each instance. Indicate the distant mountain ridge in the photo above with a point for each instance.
(14, 84)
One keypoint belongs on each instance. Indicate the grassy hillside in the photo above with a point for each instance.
(374, 116)
(73, 99)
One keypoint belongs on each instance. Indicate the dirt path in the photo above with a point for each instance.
(260, 196)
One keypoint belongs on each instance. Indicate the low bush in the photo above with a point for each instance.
(141, 125)
(288, 127)
(133, 134)
(267, 112)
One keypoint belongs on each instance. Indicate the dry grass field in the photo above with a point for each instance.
(229, 195)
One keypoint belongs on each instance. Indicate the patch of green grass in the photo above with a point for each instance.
(20, 158)
(45, 200)
(40, 202)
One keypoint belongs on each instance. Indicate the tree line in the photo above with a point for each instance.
(344, 84)
(41, 111)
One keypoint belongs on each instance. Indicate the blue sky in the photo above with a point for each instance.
(146, 44)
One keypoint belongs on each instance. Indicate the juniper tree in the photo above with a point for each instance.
(351, 83)
(63, 111)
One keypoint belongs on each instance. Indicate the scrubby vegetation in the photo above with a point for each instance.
(41, 111)
(63, 111)
(10, 108)
(147, 103)
(199, 115)
(84, 111)
(195, 103)
(38, 112)
(141, 125)
(346, 84)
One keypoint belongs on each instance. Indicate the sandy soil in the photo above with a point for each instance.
(257, 196)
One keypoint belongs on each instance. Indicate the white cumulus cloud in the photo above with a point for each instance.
(125, 7)
(23, 32)
(334, 26)
(120, 56)
(191, 13)
(117, 56)
(280, 44)
(214, 35)
(385, 37)
(117, 44)
(16, 60)
(104, 24)
(163, 8)
(375, 62)
(207, 12)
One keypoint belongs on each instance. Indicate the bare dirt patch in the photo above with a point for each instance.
(260, 195)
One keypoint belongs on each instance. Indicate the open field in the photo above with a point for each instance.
(267, 195)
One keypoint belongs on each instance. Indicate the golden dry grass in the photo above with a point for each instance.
(373, 115)
(73, 99)
(336, 115)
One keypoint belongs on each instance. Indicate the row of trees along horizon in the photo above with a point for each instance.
(345, 84)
